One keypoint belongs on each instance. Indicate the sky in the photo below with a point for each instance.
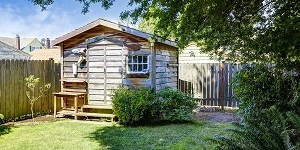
(28, 21)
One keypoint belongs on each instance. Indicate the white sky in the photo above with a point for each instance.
(21, 17)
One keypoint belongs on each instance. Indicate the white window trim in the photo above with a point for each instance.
(139, 72)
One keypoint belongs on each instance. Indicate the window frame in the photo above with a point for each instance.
(128, 71)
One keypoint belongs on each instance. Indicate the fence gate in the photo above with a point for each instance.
(209, 82)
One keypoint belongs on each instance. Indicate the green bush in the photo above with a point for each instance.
(283, 134)
(176, 105)
(131, 105)
(259, 87)
(1, 117)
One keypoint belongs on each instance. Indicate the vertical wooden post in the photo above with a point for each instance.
(76, 106)
(153, 66)
(54, 111)
(223, 85)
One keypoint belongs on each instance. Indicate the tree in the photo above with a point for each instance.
(31, 84)
(256, 31)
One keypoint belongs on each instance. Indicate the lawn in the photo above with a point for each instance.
(71, 134)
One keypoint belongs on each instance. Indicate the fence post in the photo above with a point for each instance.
(223, 85)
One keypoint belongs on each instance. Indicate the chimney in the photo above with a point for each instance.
(48, 43)
(18, 42)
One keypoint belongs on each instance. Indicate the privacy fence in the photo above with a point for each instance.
(13, 100)
(209, 82)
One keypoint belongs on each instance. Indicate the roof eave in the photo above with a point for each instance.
(115, 26)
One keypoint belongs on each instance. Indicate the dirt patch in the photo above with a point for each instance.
(221, 117)
(209, 116)
(38, 119)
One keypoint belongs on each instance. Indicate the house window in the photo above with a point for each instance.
(138, 64)
(34, 48)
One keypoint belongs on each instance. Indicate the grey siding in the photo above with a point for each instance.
(166, 67)
(105, 71)
(69, 59)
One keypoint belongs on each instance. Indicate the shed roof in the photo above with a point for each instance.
(99, 26)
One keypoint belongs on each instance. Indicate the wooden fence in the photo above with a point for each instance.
(210, 82)
(13, 100)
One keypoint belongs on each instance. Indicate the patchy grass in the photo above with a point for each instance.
(70, 134)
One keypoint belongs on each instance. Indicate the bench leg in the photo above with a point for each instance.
(54, 112)
(76, 106)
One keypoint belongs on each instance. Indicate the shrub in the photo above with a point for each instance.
(259, 87)
(131, 105)
(282, 135)
(176, 105)
(1, 117)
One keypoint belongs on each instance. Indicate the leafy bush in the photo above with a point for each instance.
(259, 87)
(284, 134)
(131, 105)
(176, 105)
(1, 117)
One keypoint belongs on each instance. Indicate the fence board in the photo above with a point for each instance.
(206, 79)
(13, 100)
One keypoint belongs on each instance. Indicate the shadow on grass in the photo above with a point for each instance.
(160, 135)
(5, 130)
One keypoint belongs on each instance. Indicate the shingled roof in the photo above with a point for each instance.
(9, 52)
(93, 29)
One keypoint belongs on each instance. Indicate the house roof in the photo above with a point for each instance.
(99, 26)
(8, 51)
(12, 41)
(46, 54)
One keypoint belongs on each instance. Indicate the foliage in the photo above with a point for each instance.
(282, 135)
(176, 105)
(86, 4)
(131, 105)
(260, 30)
(259, 87)
(31, 82)
(256, 31)
(1, 117)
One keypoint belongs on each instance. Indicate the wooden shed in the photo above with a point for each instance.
(117, 55)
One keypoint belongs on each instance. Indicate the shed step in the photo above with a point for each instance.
(95, 115)
(96, 107)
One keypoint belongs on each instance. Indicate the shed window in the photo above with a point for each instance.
(138, 64)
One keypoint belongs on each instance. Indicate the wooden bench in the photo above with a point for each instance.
(72, 88)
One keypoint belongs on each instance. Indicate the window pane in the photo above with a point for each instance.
(134, 68)
(130, 59)
(130, 67)
(145, 66)
(140, 59)
(145, 59)
(134, 59)
(140, 68)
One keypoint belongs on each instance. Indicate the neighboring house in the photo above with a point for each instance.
(191, 54)
(8, 52)
(25, 44)
(46, 54)
(117, 55)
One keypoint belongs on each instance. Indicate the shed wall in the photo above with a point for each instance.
(166, 67)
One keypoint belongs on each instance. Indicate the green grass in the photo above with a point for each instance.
(70, 134)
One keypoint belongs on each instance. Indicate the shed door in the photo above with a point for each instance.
(104, 72)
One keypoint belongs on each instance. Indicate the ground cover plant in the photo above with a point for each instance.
(70, 134)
